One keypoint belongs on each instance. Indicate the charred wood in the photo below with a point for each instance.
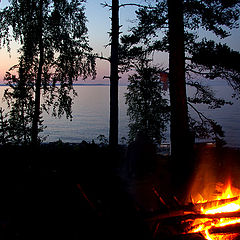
(175, 205)
(179, 216)
(214, 203)
(234, 228)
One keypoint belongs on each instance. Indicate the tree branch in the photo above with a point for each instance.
(197, 72)
(105, 4)
(134, 4)
(201, 115)
(103, 58)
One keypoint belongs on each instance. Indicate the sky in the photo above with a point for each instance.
(98, 26)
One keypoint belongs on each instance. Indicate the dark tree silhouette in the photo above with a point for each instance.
(147, 108)
(114, 59)
(54, 50)
(179, 113)
(152, 34)
(115, 62)
(170, 26)
(38, 84)
(21, 104)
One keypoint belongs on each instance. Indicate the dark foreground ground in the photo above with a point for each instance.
(103, 202)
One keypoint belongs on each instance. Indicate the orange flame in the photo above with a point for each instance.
(203, 225)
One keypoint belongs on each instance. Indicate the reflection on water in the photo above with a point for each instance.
(91, 116)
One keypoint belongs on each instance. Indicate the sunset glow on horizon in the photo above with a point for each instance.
(99, 26)
(98, 38)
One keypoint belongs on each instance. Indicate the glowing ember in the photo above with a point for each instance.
(216, 220)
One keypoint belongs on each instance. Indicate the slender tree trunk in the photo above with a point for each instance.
(36, 115)
(23, 123)
(113, 131)
(179, 129)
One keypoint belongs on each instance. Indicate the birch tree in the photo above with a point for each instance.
(54, 52)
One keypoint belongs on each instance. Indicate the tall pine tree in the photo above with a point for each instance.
(171, 26)
(114, 78)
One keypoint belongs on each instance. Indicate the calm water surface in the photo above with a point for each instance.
(91, 116)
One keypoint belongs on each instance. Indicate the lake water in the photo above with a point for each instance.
(91, 116)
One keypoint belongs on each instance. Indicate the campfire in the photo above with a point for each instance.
(218, 218)
(215, 218)
(207, 207)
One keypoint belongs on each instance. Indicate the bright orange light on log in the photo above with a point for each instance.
(228, 203)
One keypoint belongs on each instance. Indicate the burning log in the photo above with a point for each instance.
(198, 218)
(215, 216)
(234, 228)
(181, 219)
(214, 203)
(193, 207)
(193, 216)
(181, 222)
(196, 207)
(203, 225)
(179, 216)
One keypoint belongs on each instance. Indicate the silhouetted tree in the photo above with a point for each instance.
(54, 50)
(114, 72)
(20, 101)
(179, 134)
(153, 34)
(4, 126)
(217, 61)
(170, 26)
(114, 59)
(115, 65)
(147, 108)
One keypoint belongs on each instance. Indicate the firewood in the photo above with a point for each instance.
(213, 203)
(234, 228)
(174, 232)
(192, 207)
(182, 217)
(203, 225)
(192, 216)
(214, 216)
